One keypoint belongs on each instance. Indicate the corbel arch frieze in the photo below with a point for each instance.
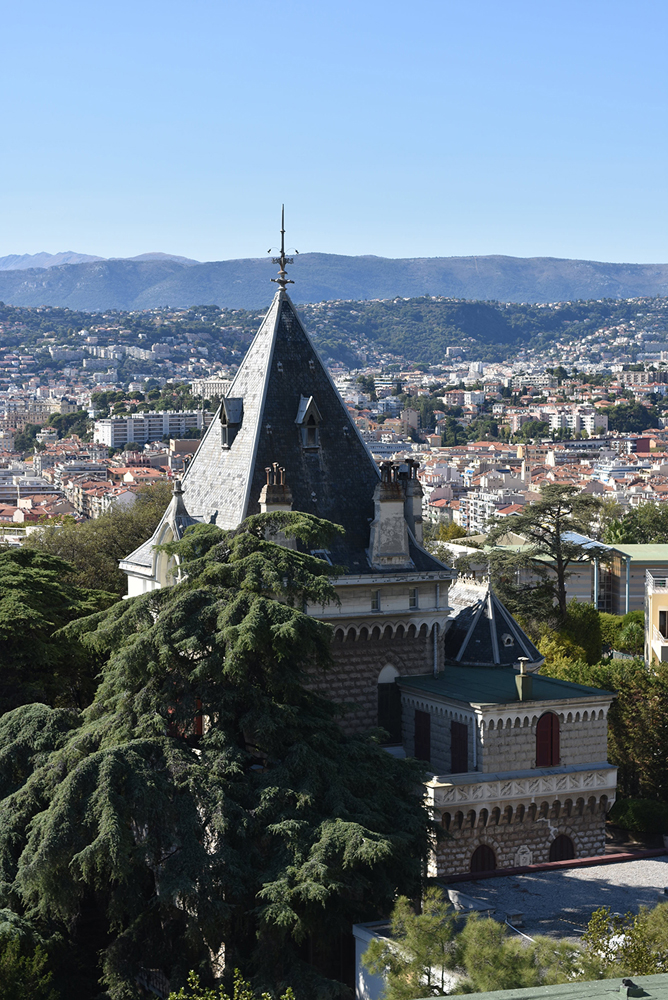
(397, 628)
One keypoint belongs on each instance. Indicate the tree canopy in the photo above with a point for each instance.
(37, 598)
(437, 952)
(207, 797)
(94, 548)
(548, 526)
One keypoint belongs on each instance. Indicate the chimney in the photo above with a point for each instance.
(275, 494)
(413, 503)
(524, 681)
(388, 544)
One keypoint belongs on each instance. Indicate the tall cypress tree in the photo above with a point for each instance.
(207, 803)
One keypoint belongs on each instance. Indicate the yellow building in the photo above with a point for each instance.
(656, 615)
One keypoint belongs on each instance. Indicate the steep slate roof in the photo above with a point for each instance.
(486, 634)
(275, 382)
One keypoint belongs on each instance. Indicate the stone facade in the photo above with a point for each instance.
(522, 835)
(360, 657)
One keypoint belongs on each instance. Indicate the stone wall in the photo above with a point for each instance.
(359, 658)
(506, 742)
(509, 744)
(440, 730)
(521, 836)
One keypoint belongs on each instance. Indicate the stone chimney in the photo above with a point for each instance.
(388, 544)
(413, 502)
(275, 494)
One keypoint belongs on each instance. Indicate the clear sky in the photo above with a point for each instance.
(431, 128)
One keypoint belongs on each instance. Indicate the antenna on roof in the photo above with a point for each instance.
(282, 278)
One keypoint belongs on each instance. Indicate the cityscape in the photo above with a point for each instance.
(334, 501)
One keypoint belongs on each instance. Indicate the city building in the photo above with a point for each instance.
(116, 432)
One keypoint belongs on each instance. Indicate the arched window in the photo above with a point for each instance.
(483, 859)
(389, 703)
(562, 848)
(547, 740)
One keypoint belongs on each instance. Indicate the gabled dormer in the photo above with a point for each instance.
(308, 420)
(231, 416)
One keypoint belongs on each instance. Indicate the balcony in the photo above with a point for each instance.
(462, 792)
(656, 584)
(659, 645)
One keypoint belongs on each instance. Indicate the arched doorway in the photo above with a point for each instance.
(389, 703)
(547, 740)
(483, 859)
(562, 848)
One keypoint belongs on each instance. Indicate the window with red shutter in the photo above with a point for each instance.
(547, 740)
(422, 735)
(459, 747)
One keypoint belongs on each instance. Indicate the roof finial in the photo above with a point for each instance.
(282, 278)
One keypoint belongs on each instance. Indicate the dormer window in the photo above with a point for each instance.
(231, 415)
(507, 639)
(309, 419)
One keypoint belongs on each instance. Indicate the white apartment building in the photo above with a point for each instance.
(583, 418)
(216, 385)
(116, 432)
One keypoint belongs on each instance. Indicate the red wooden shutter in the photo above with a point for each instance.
(422, 735)
(459, 747)
(547, 740)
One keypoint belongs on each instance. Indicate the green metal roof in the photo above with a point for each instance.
(648, 987)
(495, 686)
(644, 553)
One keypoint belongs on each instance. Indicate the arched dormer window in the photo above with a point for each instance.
(547, 740)
(309, 419)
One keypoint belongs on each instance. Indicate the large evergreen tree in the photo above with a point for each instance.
(550, 525)
(207, 798)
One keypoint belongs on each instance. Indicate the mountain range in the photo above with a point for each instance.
(81, 281)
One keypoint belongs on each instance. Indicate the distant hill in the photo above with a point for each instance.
(23, 261)
(162, 279)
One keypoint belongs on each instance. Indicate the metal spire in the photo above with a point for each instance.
(282, 278)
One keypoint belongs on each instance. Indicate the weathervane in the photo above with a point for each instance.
(282, 278)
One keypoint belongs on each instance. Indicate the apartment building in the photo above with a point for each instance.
(118, 431)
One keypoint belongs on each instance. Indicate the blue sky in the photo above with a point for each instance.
(434, 128)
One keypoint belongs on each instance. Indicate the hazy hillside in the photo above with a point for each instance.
(157, 280)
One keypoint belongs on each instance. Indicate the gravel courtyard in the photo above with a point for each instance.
(560, 903)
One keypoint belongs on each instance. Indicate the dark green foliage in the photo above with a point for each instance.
(71, 423)
(637, 721)
(37, 598)
(241, 990)
(95, 547)
(644, 525)
(583, 627)
(611, 626)
(628, 418)
(270, 830)
(429, 947)
(640, 815)
(25, 440)
(629, 945)
(25, 976)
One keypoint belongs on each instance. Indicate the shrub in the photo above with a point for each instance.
(611, 626)
(640, 815)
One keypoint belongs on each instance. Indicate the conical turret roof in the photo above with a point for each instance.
(283, 407)
(486, 634)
